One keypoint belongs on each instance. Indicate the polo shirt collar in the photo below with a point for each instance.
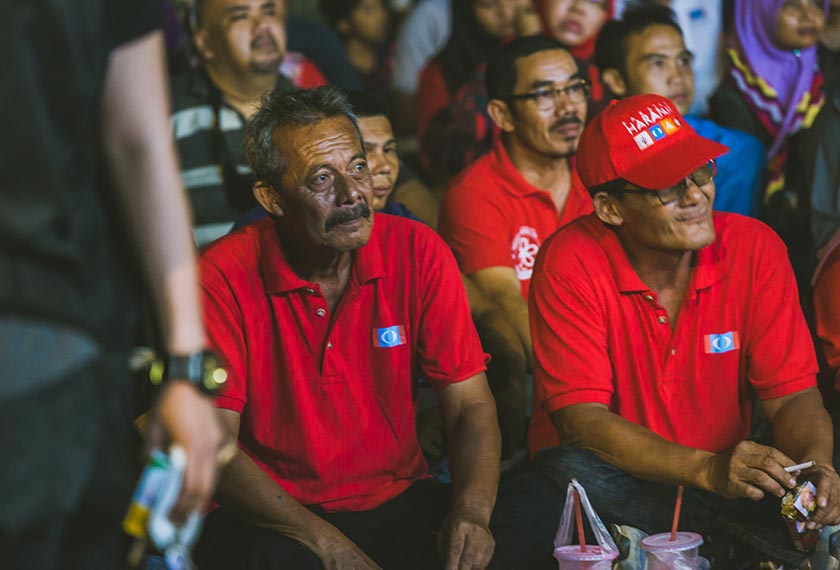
(707, 269)
(512, 180)
(278, 276)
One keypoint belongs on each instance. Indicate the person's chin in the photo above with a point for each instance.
(266, 64)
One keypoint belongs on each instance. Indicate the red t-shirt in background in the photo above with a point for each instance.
(491, 216)
(326, 399)
(302, 71)
(600, 335)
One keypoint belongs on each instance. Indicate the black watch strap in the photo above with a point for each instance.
(201, 369)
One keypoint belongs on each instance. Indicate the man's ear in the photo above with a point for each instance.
(201, 39)
(501, 114)
(608, 209)
(268, 198)
(613, 79)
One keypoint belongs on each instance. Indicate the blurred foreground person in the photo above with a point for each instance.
(84, 95)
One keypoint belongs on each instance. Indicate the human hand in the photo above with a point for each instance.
(749, 470)
(465, 540)
(827, 482)
(186, 417)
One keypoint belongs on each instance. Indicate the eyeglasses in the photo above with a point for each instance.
(546, 98)
(701, 177)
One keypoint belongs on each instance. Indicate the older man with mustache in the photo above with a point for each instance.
(498, 211)
(325, 324)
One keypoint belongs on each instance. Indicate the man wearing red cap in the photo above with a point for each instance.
(655, 323)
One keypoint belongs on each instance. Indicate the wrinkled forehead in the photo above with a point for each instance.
(549, 66)
(331, 141)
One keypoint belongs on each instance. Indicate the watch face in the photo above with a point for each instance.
(214, 375)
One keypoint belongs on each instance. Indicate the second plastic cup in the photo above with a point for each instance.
(571, 558)
(680, 554)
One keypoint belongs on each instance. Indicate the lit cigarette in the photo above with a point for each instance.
(800, 467)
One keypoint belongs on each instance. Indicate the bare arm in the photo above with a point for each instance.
(746, 471)
(506, 313)
(258, 500)
(470, 416)
(140, 153)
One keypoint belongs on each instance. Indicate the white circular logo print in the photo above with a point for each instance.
(722, 342)
(388, 337)
(523, 251)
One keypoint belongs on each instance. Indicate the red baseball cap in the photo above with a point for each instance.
(644, 140)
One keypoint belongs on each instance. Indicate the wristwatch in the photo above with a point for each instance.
(200, 369)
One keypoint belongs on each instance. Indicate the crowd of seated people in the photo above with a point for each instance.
(601, 238)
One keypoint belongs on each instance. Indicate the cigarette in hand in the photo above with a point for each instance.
(800, 466)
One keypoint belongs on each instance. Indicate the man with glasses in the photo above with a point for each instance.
(498, 211)
(644, 52)
(655, 320)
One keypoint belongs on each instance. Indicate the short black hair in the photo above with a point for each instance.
(611, 45)
(289, 109)
(335, 11)
(366, 104)
(500, 76)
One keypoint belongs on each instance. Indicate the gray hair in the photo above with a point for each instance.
(289, 109)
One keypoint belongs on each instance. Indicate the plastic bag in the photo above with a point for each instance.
(598, 557)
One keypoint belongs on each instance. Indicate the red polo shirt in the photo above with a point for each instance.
(491, 216)
(326, 399)
(601, 336)
(827, 311)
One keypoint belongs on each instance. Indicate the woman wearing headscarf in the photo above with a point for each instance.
(575, 24)
(773, 87)
(452, 123)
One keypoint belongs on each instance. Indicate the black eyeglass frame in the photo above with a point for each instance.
(555, 92)
(679, 190)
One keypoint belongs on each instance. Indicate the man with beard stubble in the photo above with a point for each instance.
(325, 324)
(497, 212)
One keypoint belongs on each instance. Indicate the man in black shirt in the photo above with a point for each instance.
(84, 96)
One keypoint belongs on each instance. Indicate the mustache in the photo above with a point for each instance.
(565, 121)
(360, 210)
(263, 39)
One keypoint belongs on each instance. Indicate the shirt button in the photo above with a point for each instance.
(320, 312)
(673, 351)
(309, 291)
(329, 345)
(662, 320)
(649, 297)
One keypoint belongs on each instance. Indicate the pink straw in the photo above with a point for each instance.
(677, 508)
(579, 519)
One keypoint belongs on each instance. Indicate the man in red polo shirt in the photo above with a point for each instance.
(655, 321)
(498, 211)
(325, 323)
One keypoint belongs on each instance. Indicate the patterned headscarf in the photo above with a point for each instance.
(775, 81)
